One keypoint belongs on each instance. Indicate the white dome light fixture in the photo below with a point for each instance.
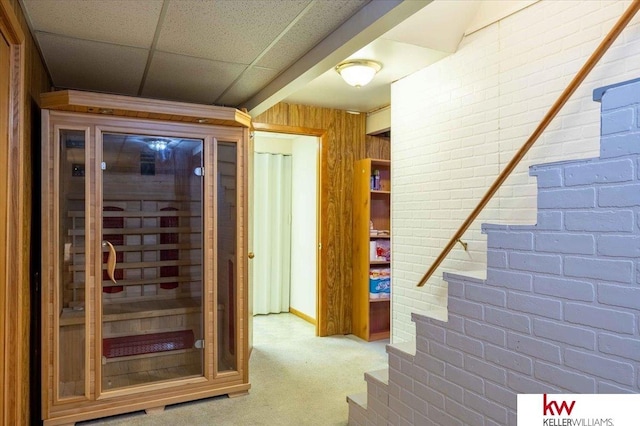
(358, 72)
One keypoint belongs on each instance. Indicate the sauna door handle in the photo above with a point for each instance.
(111, 260)
(251, 255)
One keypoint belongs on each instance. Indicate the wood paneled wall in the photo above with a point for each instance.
(343, 143)
(378, 147)
(16, 363)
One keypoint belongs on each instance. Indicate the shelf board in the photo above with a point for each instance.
(139, 231)
(148, 355)
(116, 198)
(388, 299)
(141, 265)
(379, 162)
(379, 262)
(147, 247)
(380, 236)
(379, 335)
(380, 192)
(140, 214)
(143, 281)
(138, 310)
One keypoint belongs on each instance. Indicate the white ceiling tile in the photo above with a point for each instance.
(251, 81)
(126, 22)
(199, 80)
(231, 31)
(89, 65)
(204, 46)
(320, 21)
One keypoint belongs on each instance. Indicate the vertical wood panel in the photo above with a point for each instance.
(33, 81)
(5, 53)
(342, 144)
(378, 147)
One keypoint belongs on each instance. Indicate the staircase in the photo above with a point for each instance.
(559, 311)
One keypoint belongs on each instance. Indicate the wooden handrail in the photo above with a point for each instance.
(555, 108)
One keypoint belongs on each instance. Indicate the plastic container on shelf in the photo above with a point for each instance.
(376, 180)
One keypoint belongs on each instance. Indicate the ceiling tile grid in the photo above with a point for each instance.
(89, 65)
(230, 52)
(126, 22)
(184, 78)
(320, 20)
(230, 31)
(252, 80)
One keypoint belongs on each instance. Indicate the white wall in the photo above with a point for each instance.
(304, 225)
(457, 123)
(378, 121)
(491, 11)
(304, 152)
(264, 142)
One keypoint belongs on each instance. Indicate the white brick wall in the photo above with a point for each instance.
(457, 123)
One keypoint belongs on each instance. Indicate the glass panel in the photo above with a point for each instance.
(152, 228)
(71, 246)
(227, 165)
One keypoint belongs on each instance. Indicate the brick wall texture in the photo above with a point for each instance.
(559, 311)
(458, 122)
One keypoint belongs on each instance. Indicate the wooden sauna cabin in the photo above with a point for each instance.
(144, 236)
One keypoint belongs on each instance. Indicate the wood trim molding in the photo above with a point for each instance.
(302, 315)
(342, 142)
(14, 373)
(277, 128)
(98, 103)
(9, 24)
(321, 288)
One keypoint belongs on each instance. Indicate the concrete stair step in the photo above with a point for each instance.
(377, 377)
(357, 409)
(406, 350)
(359, 399)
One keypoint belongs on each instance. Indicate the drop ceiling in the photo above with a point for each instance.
(242, 53)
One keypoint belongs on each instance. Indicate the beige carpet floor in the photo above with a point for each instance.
(296, 379)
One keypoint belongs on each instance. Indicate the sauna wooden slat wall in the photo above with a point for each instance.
(14, 409)
(342, 144)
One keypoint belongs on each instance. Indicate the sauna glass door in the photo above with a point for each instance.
(152, 275)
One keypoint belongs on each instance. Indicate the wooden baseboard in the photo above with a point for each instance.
(299, 314)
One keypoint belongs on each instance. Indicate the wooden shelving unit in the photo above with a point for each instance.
(372, 206)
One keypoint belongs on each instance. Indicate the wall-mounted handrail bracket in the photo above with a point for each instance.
(464, 245)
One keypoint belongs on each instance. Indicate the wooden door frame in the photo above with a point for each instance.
(14, 371)
(321, 290)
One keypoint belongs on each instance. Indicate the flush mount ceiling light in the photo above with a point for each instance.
(358, 72)
(158, 144)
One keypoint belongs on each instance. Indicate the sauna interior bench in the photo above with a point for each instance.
(136, 310)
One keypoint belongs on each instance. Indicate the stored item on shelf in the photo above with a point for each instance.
(379, 232)
(379, 283)
(373, 252)
(383, 250)
(376, 180)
